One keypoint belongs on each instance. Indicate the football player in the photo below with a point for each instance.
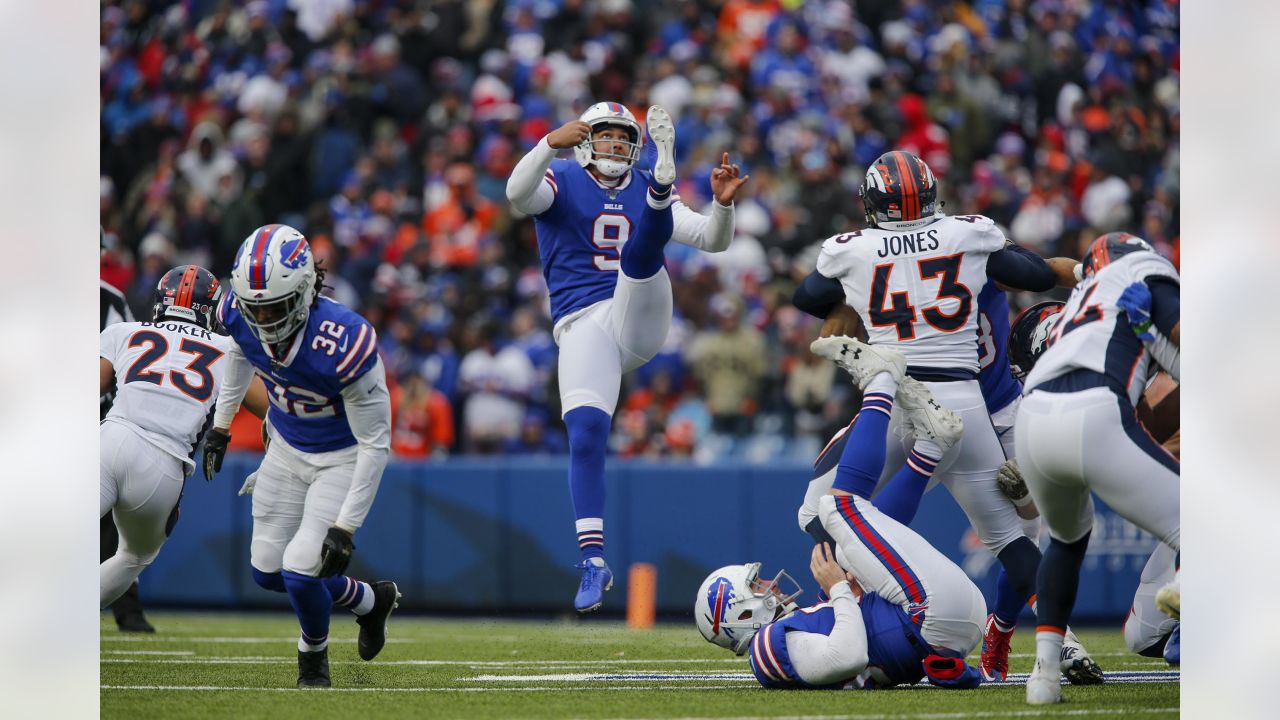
(911, 277)
(903, 611)
(329, 418)
(1077, 429)
(166, 373)
(1147, 631)
(602, 226)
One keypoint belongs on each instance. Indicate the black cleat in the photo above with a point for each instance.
(134, 622)
(313, 669)
(373, 625)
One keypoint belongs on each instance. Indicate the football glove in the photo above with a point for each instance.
(1009, 480)
(951, 673)
(215, 448)
(1135, 301)
(335, 553)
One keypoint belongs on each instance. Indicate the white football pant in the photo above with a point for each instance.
(1072, 443)
(295, 501)
(601, 342)
(894, 562)
(140, 484)
(1145, 626)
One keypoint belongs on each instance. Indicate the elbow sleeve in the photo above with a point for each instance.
(1022, 269)
(818, 295)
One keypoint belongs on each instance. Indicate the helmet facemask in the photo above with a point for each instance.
(602, 153)
(746, 604)
(275, 320)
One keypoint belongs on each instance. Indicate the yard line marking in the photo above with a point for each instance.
(148, 652)
(234, 640)
(597, 677)
(946, 716)
(207, 688)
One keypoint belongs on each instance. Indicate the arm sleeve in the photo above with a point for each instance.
(711, 233)
(531, 187)
(842, 655)
(818, 295)
(235, 383)
(1021, 269)
(368, 406)
(1165, 303)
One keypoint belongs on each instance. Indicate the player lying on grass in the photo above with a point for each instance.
(902, 611)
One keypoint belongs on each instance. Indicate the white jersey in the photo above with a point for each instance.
(1092, 333)
(167, 379)
(917, 289)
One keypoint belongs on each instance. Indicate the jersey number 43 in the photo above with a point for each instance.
(900, 314)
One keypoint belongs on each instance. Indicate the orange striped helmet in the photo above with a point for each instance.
(187, 292)
(898, 187)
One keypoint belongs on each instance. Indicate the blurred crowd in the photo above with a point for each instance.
(385, 130)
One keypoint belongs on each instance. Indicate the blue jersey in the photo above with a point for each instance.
(581, 235)
(894, 643)
(336, 347)
(999, 387)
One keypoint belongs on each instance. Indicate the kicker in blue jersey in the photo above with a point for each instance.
(335, 348)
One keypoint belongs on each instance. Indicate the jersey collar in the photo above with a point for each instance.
(294, 346)
(626, 180)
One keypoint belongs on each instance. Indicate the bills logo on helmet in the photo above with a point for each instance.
(294, 253)
(719, 597)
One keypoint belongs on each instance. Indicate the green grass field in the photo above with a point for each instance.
(244, 666)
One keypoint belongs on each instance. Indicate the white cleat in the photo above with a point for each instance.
(663, 133)
(1169, 598)
(1044, 687)
(929, 419)
(859, 359)
(1076, 665)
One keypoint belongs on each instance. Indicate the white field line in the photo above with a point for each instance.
(149, 652)
(946, 716)
(1118, 677)
(603, 688)
(234, 640)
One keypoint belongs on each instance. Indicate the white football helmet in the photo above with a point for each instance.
(604, 114)
(734, 603)
(274, 281)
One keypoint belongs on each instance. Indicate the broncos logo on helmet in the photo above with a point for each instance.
(1029, 336)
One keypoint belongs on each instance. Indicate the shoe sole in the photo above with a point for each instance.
(394, 604)
(663, 134)
(1169, 602)
(945, 426)
(597, 606)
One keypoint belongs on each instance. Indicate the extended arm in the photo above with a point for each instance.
(1064, 271)
(235, 385)
(1019, 268)
(255, 400)
(818, 295)
(711, 233)
(368, 406)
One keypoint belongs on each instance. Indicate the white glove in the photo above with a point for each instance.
(249, 482)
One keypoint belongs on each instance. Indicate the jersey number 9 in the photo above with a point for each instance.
(608, 234)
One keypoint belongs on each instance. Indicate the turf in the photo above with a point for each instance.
(232, 665)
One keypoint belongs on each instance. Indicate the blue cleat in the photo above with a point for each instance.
(597, 578)
(1173, 646)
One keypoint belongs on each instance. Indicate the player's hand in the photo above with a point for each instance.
(249, 483)
(570, 134)
(825, 569)
(215, 448)
(1135, 301)
(725, 181)
(335, 553)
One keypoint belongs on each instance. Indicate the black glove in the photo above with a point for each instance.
(335, 553)
(215, 448)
